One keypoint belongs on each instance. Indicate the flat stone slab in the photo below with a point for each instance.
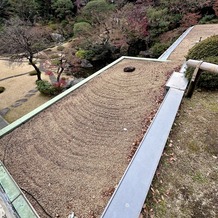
(33, 91)
(29, 95)
(4, 111)
(22, 100)
(16, 104)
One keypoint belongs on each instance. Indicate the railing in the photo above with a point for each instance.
(199, 66)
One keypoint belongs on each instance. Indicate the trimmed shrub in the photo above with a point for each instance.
(97, 10)
(33, 73)
(55, 62)
(53, 56)
(60, 48)
(81, 29)
(207, 50)
(84, 54)
(46, 88)
(2, 89)
(158, 49)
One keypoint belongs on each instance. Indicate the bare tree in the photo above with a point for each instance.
(21, 40)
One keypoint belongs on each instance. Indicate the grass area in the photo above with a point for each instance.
(33, 102)
(185, 184)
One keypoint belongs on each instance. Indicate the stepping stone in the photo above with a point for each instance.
(4, 111)
(16, 104)
(29, 95)
(33, 91)
(22, 100)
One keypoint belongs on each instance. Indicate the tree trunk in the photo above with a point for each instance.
(36, 68)
(60, 70)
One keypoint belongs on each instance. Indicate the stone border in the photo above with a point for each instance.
(15, 196)
(168, 52)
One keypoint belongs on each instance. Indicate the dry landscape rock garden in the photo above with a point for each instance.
(72, 155)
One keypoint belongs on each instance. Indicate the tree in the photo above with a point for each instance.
(62, 8)
(21, 40)
(4, 9)
(25, 9)
(96, 11)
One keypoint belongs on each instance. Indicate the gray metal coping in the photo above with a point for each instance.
(33, 113)
(168, 52)
(177, 81)
(132, 190)
(14, 196)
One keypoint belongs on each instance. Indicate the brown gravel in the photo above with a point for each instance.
(191, 39)
(72, 153)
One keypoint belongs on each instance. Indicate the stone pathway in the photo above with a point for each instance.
(19, 102)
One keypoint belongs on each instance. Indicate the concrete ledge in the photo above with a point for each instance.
(15, 196)
(168, 52)
(129, 197)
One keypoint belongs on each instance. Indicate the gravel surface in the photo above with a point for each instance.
(71, 154)
(191, 39)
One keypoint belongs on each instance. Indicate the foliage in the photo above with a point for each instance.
(5, 9)
(60, 48)
(2, 89)
(54, 56)
(207, 19)
(62, 8)
(84, 54)
(96, 11)
(135, 21)
(81, 29)
(25, 9)
(47, 88)
(55, 62)
(207, 50)
(160, 20)
(157, 49)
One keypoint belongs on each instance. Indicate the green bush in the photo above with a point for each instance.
(2, 89)
(81, 28)
(207, 19)
(97, 10)
(60, 48)
(53, 56)
(32, 73)
(55, 62)
(158, 49)
(46, 88)
(207, 50)
(84, 54)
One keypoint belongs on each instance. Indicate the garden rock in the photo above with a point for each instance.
(129, 69)
(57, 37)
(86, 64)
